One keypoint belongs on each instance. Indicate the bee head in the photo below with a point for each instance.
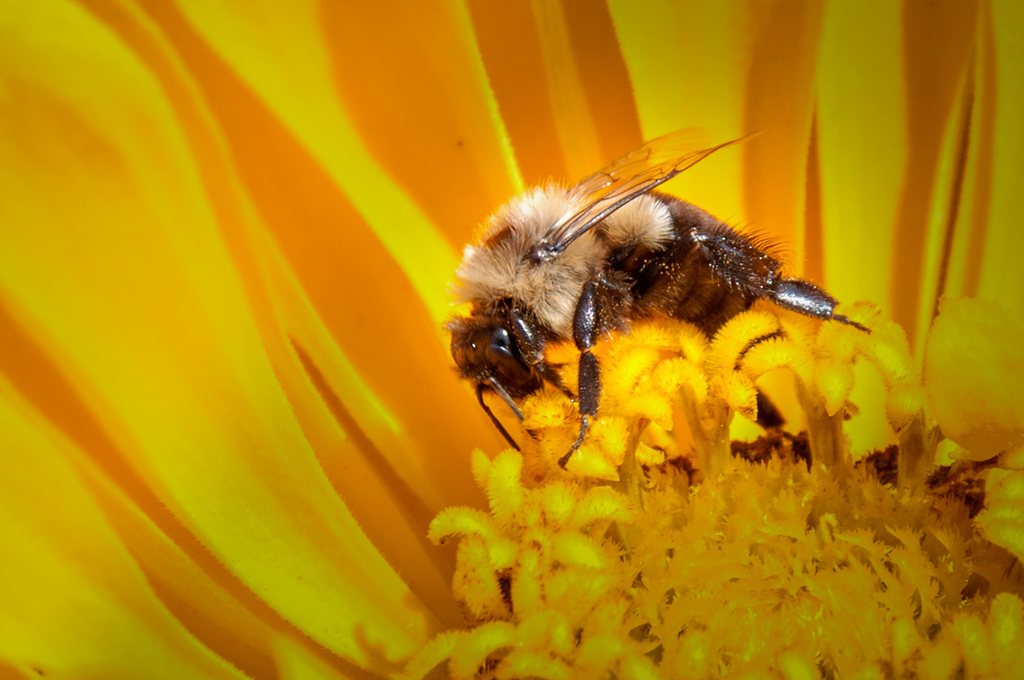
(485, 352)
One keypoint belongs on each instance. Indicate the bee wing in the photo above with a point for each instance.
(624, 179)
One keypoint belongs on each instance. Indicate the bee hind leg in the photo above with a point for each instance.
(806, 298)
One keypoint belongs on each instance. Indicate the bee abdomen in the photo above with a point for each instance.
(680, 284)
(706, 275)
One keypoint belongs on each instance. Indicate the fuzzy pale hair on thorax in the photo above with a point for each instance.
(533, 213)
(645, 220)
(498, 267)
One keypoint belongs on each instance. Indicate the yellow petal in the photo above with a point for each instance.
(937, 45)
(71, 597)
(517, 73)
(424, 110)
(861, 141)
(393, 513)
(363, 254)
(685, 77)
(296, 662)
(268, 46)
(974, 374)
(780, 91)
(127, 283)
(213, 604)
(1002, 278)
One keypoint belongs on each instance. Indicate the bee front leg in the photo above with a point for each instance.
(530, 344)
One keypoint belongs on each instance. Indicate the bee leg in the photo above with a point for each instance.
(806, 298)
(603, 306)
(531, 347)
(585, 328)
(590, 397)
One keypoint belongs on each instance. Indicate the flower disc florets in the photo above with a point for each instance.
(662, 556)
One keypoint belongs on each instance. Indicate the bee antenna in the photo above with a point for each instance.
(490, 414)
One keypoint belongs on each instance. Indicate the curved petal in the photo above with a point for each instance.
(938, 42)
(1002, 277)
(71, 597)
(369, 262)
(861, 143)
(137, 301)
(421, 103)
(200, 591)
(687, 61)
(296, 662)
(268, 47)
(780, 93)
(561, 84)
(345, 421)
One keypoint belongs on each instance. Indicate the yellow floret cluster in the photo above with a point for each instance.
(664, 368)
(649, 558)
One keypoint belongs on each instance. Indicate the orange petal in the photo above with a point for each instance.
(270, 51)
(510, 47)
(937, 45)
(561, 84)
(423, 108)
(394, 509)
(780, 91)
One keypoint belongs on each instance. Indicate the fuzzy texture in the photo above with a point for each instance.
(781, 558)
(644, 221)
(768, 565)
(498, 266)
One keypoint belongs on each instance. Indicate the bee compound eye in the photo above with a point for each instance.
(505, 359)
(500, 348)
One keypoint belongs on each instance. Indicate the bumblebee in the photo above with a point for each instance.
(572, 263)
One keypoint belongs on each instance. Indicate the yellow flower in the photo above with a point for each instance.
(227, 413)
(789, 555)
